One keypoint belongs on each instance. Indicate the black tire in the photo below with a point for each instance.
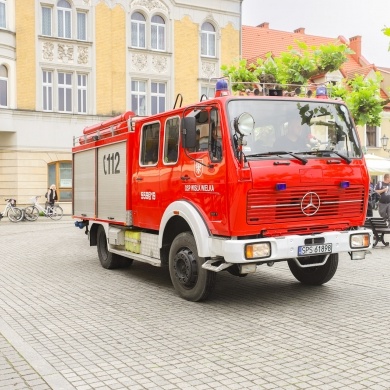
(315, 276)
(107, 259)
(31, 213)
(190, 280)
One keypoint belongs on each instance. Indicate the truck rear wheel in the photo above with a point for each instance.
(107, 259)
(315, 276)
(190, 280)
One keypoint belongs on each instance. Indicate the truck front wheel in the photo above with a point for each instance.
(190, 280)
(107, 259)
(315, 276)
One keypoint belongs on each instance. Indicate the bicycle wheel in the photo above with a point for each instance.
(31, 213)
(55, 212)
(15, 214)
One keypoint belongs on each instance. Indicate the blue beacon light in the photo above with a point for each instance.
(281, 186)
(321, 93)
(221, 88)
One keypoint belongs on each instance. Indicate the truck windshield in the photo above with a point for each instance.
(303, 127)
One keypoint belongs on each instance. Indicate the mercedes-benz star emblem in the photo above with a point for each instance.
(310, 203)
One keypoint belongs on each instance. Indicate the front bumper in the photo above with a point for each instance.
(282, 248)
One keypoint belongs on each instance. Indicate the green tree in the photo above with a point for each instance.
(386, 31)
(241, 76)
(298, 66)
(362, 96)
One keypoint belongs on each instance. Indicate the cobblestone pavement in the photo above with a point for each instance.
(67, 323)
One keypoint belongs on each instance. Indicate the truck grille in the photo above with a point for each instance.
(268, 206)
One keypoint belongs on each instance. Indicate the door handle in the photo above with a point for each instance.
(139, 178)
(186, 177)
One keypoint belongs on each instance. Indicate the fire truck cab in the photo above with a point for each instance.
(226, 184)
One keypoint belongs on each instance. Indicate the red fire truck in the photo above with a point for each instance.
(226, 184)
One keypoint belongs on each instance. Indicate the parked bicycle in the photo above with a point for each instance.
(14, 214)
(31, 213)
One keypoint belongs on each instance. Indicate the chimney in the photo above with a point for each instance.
(355, 43)
(299, 30)
(263, 25)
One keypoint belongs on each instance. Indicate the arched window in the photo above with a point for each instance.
(64, 13)
(158, 33)
(138, 24)
(3, 86)
(208, 39)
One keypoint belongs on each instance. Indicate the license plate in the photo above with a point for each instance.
(307, 250)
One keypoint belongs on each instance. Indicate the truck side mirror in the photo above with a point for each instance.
(188, 131)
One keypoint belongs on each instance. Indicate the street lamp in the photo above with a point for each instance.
(384, 141)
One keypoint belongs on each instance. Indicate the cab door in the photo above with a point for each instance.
(146, 181)
(203, 177)
(170, 170)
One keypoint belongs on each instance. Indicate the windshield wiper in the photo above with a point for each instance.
(347, 159)
(303, 160)
(343, 156)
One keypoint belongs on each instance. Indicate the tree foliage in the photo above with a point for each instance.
(362, 96)
(386, 31)
(298, 66)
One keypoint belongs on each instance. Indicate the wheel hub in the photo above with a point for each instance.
(185, 266)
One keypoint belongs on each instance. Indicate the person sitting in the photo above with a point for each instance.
(296, 137)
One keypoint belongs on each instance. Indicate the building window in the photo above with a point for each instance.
(46, 21)
(3, 86)
(60, 174)
(82, 26)
(64, 92)
(148, 98)
(3, 20)
(82, 93)
(208, 38)
(138, 29)
(138, 97)
(63, 23)
(158, 97)
(47, 85)
(64, 14)
(207, 90)
(158, 33)
(371, 135)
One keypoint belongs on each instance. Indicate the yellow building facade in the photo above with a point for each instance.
(68, 64)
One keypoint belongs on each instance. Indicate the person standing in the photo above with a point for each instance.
(383, 189)
(371, 194)
(51, 195)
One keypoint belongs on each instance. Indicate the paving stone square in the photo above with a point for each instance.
(67, 323)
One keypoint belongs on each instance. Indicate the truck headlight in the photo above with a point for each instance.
(257, 251)
(361, 240)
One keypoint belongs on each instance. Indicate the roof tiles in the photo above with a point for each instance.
(258, 41)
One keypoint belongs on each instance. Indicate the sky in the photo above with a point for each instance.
(330, 19)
